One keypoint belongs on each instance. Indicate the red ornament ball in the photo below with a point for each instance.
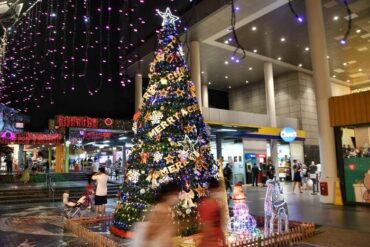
(352, 166)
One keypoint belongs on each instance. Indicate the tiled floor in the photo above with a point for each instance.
(42, 225)
(307, 207)
(34, 225)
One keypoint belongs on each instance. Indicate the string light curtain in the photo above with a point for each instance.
(60, 46)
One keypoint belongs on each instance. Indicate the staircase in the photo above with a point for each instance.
(55, 177)
(40, 194)
(73, 176)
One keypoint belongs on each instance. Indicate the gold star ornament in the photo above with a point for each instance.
(179, 92)
(169, 159)
(201, 191)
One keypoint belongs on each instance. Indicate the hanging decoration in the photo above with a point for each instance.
(239, 47)
(62, 47)
(52, 48)
(298, 17)
(344, 40)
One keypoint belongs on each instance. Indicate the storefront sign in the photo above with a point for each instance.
(82, 122)
(90, 135)
(288, 134)
(249, 156)
(19, 125)
(91, 123)
(31, 138)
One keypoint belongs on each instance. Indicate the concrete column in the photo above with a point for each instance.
(205, 95)
(195, 68)
(138, 90)
(271, 110)
(321, 76)
(270, 93)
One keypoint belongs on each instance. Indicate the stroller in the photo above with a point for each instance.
(74, 209)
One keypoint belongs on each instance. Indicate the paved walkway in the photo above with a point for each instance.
(41, 225)
(69, 184)
(16, 186)
(338, 237)
(307, 207)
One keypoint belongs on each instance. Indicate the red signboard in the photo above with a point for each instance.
(82, 122)
(33, 138)
(97, 135)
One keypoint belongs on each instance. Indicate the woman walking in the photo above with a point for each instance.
(297, 179)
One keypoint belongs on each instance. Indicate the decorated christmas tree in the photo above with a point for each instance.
(171, 140)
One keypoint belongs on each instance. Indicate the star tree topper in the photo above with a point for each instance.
(168, 17)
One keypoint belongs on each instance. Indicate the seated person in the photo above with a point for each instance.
(66, 201)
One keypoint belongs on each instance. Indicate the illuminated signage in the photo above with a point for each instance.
(82, 122)
(288, 134)
(19, 125)
(90, 123)
(30, 138)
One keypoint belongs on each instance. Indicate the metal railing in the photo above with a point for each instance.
(50, 185)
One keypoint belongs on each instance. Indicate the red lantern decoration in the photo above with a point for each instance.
(108, 121)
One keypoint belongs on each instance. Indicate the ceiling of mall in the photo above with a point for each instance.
(269, 32)
(279, 36)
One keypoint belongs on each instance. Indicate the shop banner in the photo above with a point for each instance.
(29, 138)
(91, 123)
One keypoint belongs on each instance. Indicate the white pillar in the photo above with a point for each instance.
(271, 110)
(205, 95)
(321, 76)
(270, 93)
(138, 90)
(195, 68)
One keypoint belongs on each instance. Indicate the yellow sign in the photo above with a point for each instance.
(338, 194)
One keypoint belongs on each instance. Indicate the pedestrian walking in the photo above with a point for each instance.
(255, 172)
(297, 179)
(210, 212)
(228, 174)
(158, 230)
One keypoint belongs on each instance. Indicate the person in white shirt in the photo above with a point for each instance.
(101, 190)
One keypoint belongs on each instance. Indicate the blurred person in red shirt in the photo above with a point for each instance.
(210, 211)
